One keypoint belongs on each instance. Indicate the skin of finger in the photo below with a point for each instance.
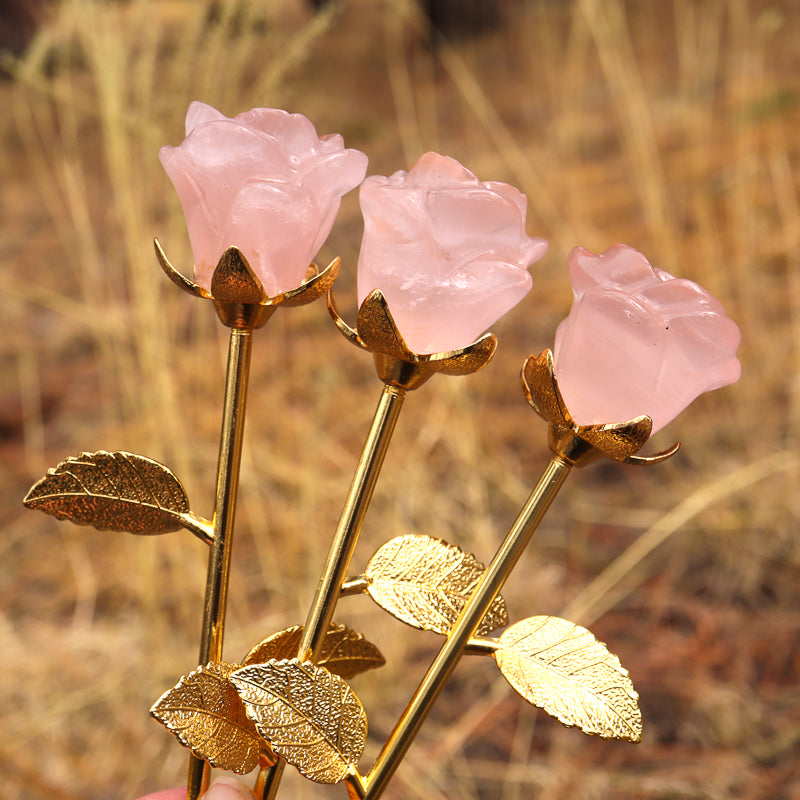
(223, 787)
(178, 793)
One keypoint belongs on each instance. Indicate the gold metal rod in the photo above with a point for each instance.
(353, 586)
(344, 542)
(350, 522)
(464, 627)
(219, 559)
(269, 779)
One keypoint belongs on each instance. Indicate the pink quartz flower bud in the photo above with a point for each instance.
(638, 341)
(263, 182)
(449, 253)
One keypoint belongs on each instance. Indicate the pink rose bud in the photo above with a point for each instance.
(263, 182)
(449, 253)
(638, 341)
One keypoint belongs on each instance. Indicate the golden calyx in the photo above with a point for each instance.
(396, 364)
(582, 444)
(238, 294)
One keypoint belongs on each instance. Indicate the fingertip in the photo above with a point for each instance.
(227, 787)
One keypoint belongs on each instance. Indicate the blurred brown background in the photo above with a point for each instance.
(670, 126)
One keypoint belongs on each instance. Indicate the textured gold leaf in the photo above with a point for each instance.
(560, 667)
(310, 716)
(425, 582)
(112, 491)
(344, 652)
(207, 715)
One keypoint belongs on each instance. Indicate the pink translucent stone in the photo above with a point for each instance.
(449, 253)
(638, 341)
(263, 182)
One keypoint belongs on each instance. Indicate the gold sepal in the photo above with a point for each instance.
(239, 295)
(116, 491)
(310, 716)
(378, 330)
(466, 360)
(425, 582)
(181, 281)
(582, 444)
(345, 652)
(314, 285)
(561, 668)
(396, 364)
(234, 281)
(204, 711)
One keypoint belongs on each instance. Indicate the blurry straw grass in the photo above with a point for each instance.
(654, 124)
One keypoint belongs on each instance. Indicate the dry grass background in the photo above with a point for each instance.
(671, 126)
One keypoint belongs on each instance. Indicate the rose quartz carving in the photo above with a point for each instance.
(263, 182)
(449, 253)
(638, 341)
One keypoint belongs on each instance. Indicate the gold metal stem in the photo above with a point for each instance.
(464, 627)
(350, 522)
(269, 779)
(219, 559)
(344, 543)
(353, 586)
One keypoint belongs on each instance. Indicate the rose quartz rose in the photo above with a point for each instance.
(638, 341)
(449, 253)
(263, 182)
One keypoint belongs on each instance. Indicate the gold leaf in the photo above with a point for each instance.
(425, 582)
(560, 667)
(344, 652)
(112, 491)
(310, 716)
(207, 715)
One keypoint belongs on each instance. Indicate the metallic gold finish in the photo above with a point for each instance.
(344, 652)
(265, 775)
(310, 716)
(182, 282)
(206, 714)
(316, 284)
(351, 586)
(352, 518)
(583, 444)
(425, 582)
(395, 363)
(116, 491)
(356, 788)
(481, 646)
(344, 542)
(238, 294)
(560, 667)
(203, 529)
(219, 559)
(464, 628)
(234, 282)
(289, 701)
(269, 780)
